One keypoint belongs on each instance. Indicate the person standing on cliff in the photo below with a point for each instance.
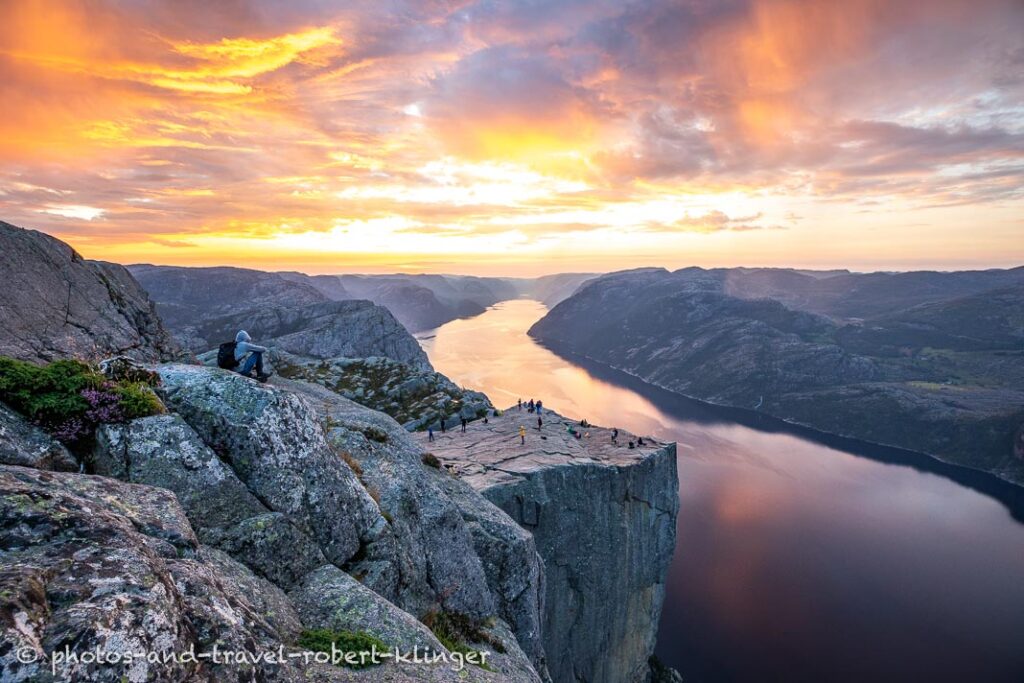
(442, 424)
(519, 404)
(464, 423)
(522, 435)
(430, 433)
(540, 406)
(540, 423)
(250, 356)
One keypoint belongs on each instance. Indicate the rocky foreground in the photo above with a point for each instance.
(244, 516)
(250, 514)
(603, 518)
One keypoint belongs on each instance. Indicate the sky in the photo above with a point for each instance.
(518, 137)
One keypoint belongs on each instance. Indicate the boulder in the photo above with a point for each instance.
(434, 561)
(329, 598)
(59, 305)
(93, 564)
(274, 443)
(452, 548)
(85, 566)
(22, 443)
(164, 451)
(273, 548)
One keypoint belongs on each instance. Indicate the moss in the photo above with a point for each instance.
(324, 640)
(70, 399)
(456, 631)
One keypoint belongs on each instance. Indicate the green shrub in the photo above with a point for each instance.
(454, 631)
(430, 460)
(321, 640)
(70, 399)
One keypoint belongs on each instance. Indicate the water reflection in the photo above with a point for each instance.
(800, 556)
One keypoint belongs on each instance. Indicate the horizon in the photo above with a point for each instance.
(479, 138)
(383, 273)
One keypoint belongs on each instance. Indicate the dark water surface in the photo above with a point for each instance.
(799, 556)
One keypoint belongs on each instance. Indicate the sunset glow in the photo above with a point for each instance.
(518, 138)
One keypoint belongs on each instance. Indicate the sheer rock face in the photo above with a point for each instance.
(59, 305)
(22, 443)
(603, 517)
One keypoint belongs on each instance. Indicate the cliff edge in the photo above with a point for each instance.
(603, 517)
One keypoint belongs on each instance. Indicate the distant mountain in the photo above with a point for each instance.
(291, 312)
(420, 302)
(552, 289)
(943, 376)
(56, 304)
(846, 295)
(187, 296)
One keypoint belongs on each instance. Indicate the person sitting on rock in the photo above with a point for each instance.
(640, 441)
(250, 356)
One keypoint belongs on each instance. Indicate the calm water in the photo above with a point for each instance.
(799, 556)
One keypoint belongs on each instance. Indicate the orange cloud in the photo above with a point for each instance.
(207, 131)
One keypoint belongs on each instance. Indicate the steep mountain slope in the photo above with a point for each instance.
(946, 378)
(57, 304)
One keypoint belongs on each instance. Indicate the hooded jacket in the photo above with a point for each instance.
(244, 345)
